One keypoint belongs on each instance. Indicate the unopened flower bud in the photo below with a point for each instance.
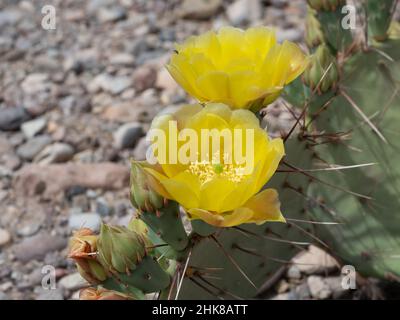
(322, 72)
(83, 250)
(120, 249)
(144, 193)
(137, 225)
(102, 294)
(314, 35)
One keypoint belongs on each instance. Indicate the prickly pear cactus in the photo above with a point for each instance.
(337, 183)
(355, 137)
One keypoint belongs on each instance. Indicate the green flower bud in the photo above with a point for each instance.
(314, 35)
(138, 226)
(143, 194)
(120, 249)
(321, 60)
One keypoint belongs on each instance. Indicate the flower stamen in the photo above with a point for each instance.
(206, 171)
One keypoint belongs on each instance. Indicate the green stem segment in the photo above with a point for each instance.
(203, 229)
(167, 224)
(146, 278)
(337, 37)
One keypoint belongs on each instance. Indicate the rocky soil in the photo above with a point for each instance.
(75, 105)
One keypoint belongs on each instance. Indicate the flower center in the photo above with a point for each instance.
(206, 171)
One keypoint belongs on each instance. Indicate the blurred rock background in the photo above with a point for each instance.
(75, 105)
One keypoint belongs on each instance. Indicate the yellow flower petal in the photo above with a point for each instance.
(260, 40)
(265, 207)
(273, 157)
(164, 154)
(234, 218)
(185, 113)
(183, 188)
(183, 74)
(237, 197)
(243, 87)
(214, 86)
(244, 118)
(207, 120)
(210, 218)
(297, 64)
(231, 43)
(213, 192)
(219, 109)
(200, 64)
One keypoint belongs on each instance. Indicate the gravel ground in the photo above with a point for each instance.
(78, 101)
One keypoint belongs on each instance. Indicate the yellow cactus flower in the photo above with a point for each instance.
(211, 180)
(243, 69)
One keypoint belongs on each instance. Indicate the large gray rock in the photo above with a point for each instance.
(12, 118)
(51, 180)
(127, 135)
(55, 153)
(200, 9)
(33, 146)
(38, 246)
(73, 281)
(244, 11)
(33, 127)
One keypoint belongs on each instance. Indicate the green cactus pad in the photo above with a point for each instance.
(363, 201)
